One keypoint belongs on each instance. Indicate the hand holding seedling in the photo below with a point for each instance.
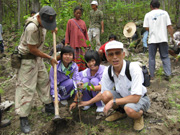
(72, 106)
(80, 85)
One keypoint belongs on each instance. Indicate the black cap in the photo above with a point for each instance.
(48, 17)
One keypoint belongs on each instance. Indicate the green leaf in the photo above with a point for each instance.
(88, 42)
(69, 118)
(88, 88)
(68, 72)
(1, 91)
(26, 16)
(83, 49)
(82, 57)
(46, 44)
(71, 75)
(132, 44)
(92, 87)
(72, 92)
(85, 85)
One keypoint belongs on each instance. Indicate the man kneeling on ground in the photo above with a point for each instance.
(129, 97)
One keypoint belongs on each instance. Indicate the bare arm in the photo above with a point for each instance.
(147, 28)
(35, 51)
(128, 99)
(96, 88)
(97, 98)
(170, 30)
(73, 105)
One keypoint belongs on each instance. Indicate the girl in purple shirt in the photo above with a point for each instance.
(92, 75)
(65, 83)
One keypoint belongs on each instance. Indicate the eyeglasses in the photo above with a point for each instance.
(117, 53)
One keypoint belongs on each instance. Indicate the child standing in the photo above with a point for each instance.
(76, 36)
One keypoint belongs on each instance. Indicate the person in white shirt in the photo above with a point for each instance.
(158, 22)
(175, 51)
(129, 97)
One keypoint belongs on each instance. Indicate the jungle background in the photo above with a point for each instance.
(163, 118)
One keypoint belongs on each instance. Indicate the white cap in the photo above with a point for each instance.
(94, 3)
(113, 45)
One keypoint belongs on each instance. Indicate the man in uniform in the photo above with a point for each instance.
(96, 21)
(32, 75)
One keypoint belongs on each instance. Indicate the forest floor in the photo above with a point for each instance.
(163, 117)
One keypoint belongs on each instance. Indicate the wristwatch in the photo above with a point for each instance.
(114, 101)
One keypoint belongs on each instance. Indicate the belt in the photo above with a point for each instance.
(28, 56)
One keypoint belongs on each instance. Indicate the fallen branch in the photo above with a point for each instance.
(7, 81)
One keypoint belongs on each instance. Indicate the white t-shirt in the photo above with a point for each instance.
(157, 21)
(123, 85)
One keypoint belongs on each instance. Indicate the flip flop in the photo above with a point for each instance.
(5, 105)
(100, 115)
(5, 123)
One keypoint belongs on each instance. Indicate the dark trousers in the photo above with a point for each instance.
(163, 50)
(1, 46)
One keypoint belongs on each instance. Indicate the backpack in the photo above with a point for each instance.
(146, 75)
(16, 56)
(30, 20)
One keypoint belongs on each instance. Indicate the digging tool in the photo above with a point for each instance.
(56, 105)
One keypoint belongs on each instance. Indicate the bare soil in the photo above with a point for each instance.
(163, 117)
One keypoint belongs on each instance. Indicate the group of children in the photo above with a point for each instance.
(69, 78)
(72, 70)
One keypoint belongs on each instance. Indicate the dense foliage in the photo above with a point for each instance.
(116, 14)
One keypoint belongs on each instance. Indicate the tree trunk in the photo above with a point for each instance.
(177, 13)
(26, 6)
(29, 8)
(36, 5)
(178, 24)
(59, 3)
(163, 4)
(19, 13)
(1, 15)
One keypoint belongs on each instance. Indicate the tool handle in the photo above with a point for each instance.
(55, 78)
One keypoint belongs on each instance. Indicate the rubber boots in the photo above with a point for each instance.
(24, 123)
(144, 49)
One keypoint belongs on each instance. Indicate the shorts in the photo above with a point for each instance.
(143, 104)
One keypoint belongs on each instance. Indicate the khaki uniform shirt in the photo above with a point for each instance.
(32, 35)
(95, 18)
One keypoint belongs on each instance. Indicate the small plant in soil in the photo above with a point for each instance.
(1, 91)
(80, 89)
